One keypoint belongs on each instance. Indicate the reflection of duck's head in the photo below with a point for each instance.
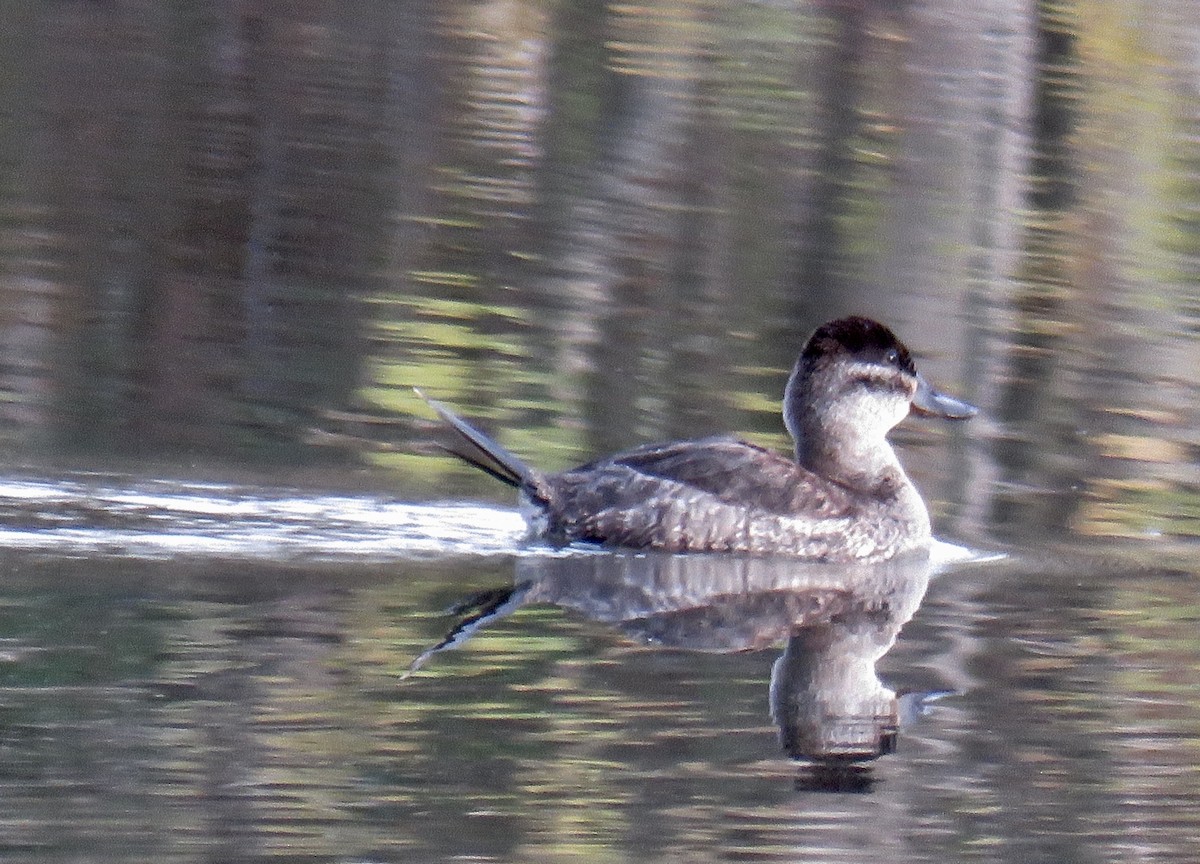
(827, 700)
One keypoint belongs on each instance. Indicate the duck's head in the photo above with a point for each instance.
(853, 382)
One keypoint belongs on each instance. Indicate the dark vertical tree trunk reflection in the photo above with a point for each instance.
(820, 277)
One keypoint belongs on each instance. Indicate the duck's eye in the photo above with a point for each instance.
(892, 357)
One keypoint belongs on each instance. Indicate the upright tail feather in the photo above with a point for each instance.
(476, 448)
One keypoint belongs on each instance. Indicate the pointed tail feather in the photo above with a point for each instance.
(476, 448)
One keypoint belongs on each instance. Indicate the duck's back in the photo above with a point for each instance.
(709, 495)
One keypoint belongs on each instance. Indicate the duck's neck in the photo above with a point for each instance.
(844, 441)
(864, 465)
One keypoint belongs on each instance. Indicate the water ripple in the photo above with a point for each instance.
(162, 519)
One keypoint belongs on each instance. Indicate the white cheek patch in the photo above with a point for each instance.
(870, 413)
(877, 409)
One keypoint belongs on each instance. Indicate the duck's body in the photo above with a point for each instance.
(844, 497)
(717, 494)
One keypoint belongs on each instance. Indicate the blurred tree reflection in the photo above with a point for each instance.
(596, 224)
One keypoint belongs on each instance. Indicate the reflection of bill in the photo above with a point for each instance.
(836, 621)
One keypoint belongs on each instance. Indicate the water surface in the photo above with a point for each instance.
(233, 238)
(165, 693)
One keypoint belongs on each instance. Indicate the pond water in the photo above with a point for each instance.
(244, 673)
(246, 613)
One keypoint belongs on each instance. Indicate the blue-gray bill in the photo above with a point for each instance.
(931, 403)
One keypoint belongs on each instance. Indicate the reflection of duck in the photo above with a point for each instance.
(837, 621)
(845, 497)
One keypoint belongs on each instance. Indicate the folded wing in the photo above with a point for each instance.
(713, 494)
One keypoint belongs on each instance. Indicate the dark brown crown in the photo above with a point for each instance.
(861, 338)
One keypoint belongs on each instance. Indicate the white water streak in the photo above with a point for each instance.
(159, 519)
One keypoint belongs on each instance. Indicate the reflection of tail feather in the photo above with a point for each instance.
(480, 609)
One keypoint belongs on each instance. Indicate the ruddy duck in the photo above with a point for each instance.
(845, 496)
